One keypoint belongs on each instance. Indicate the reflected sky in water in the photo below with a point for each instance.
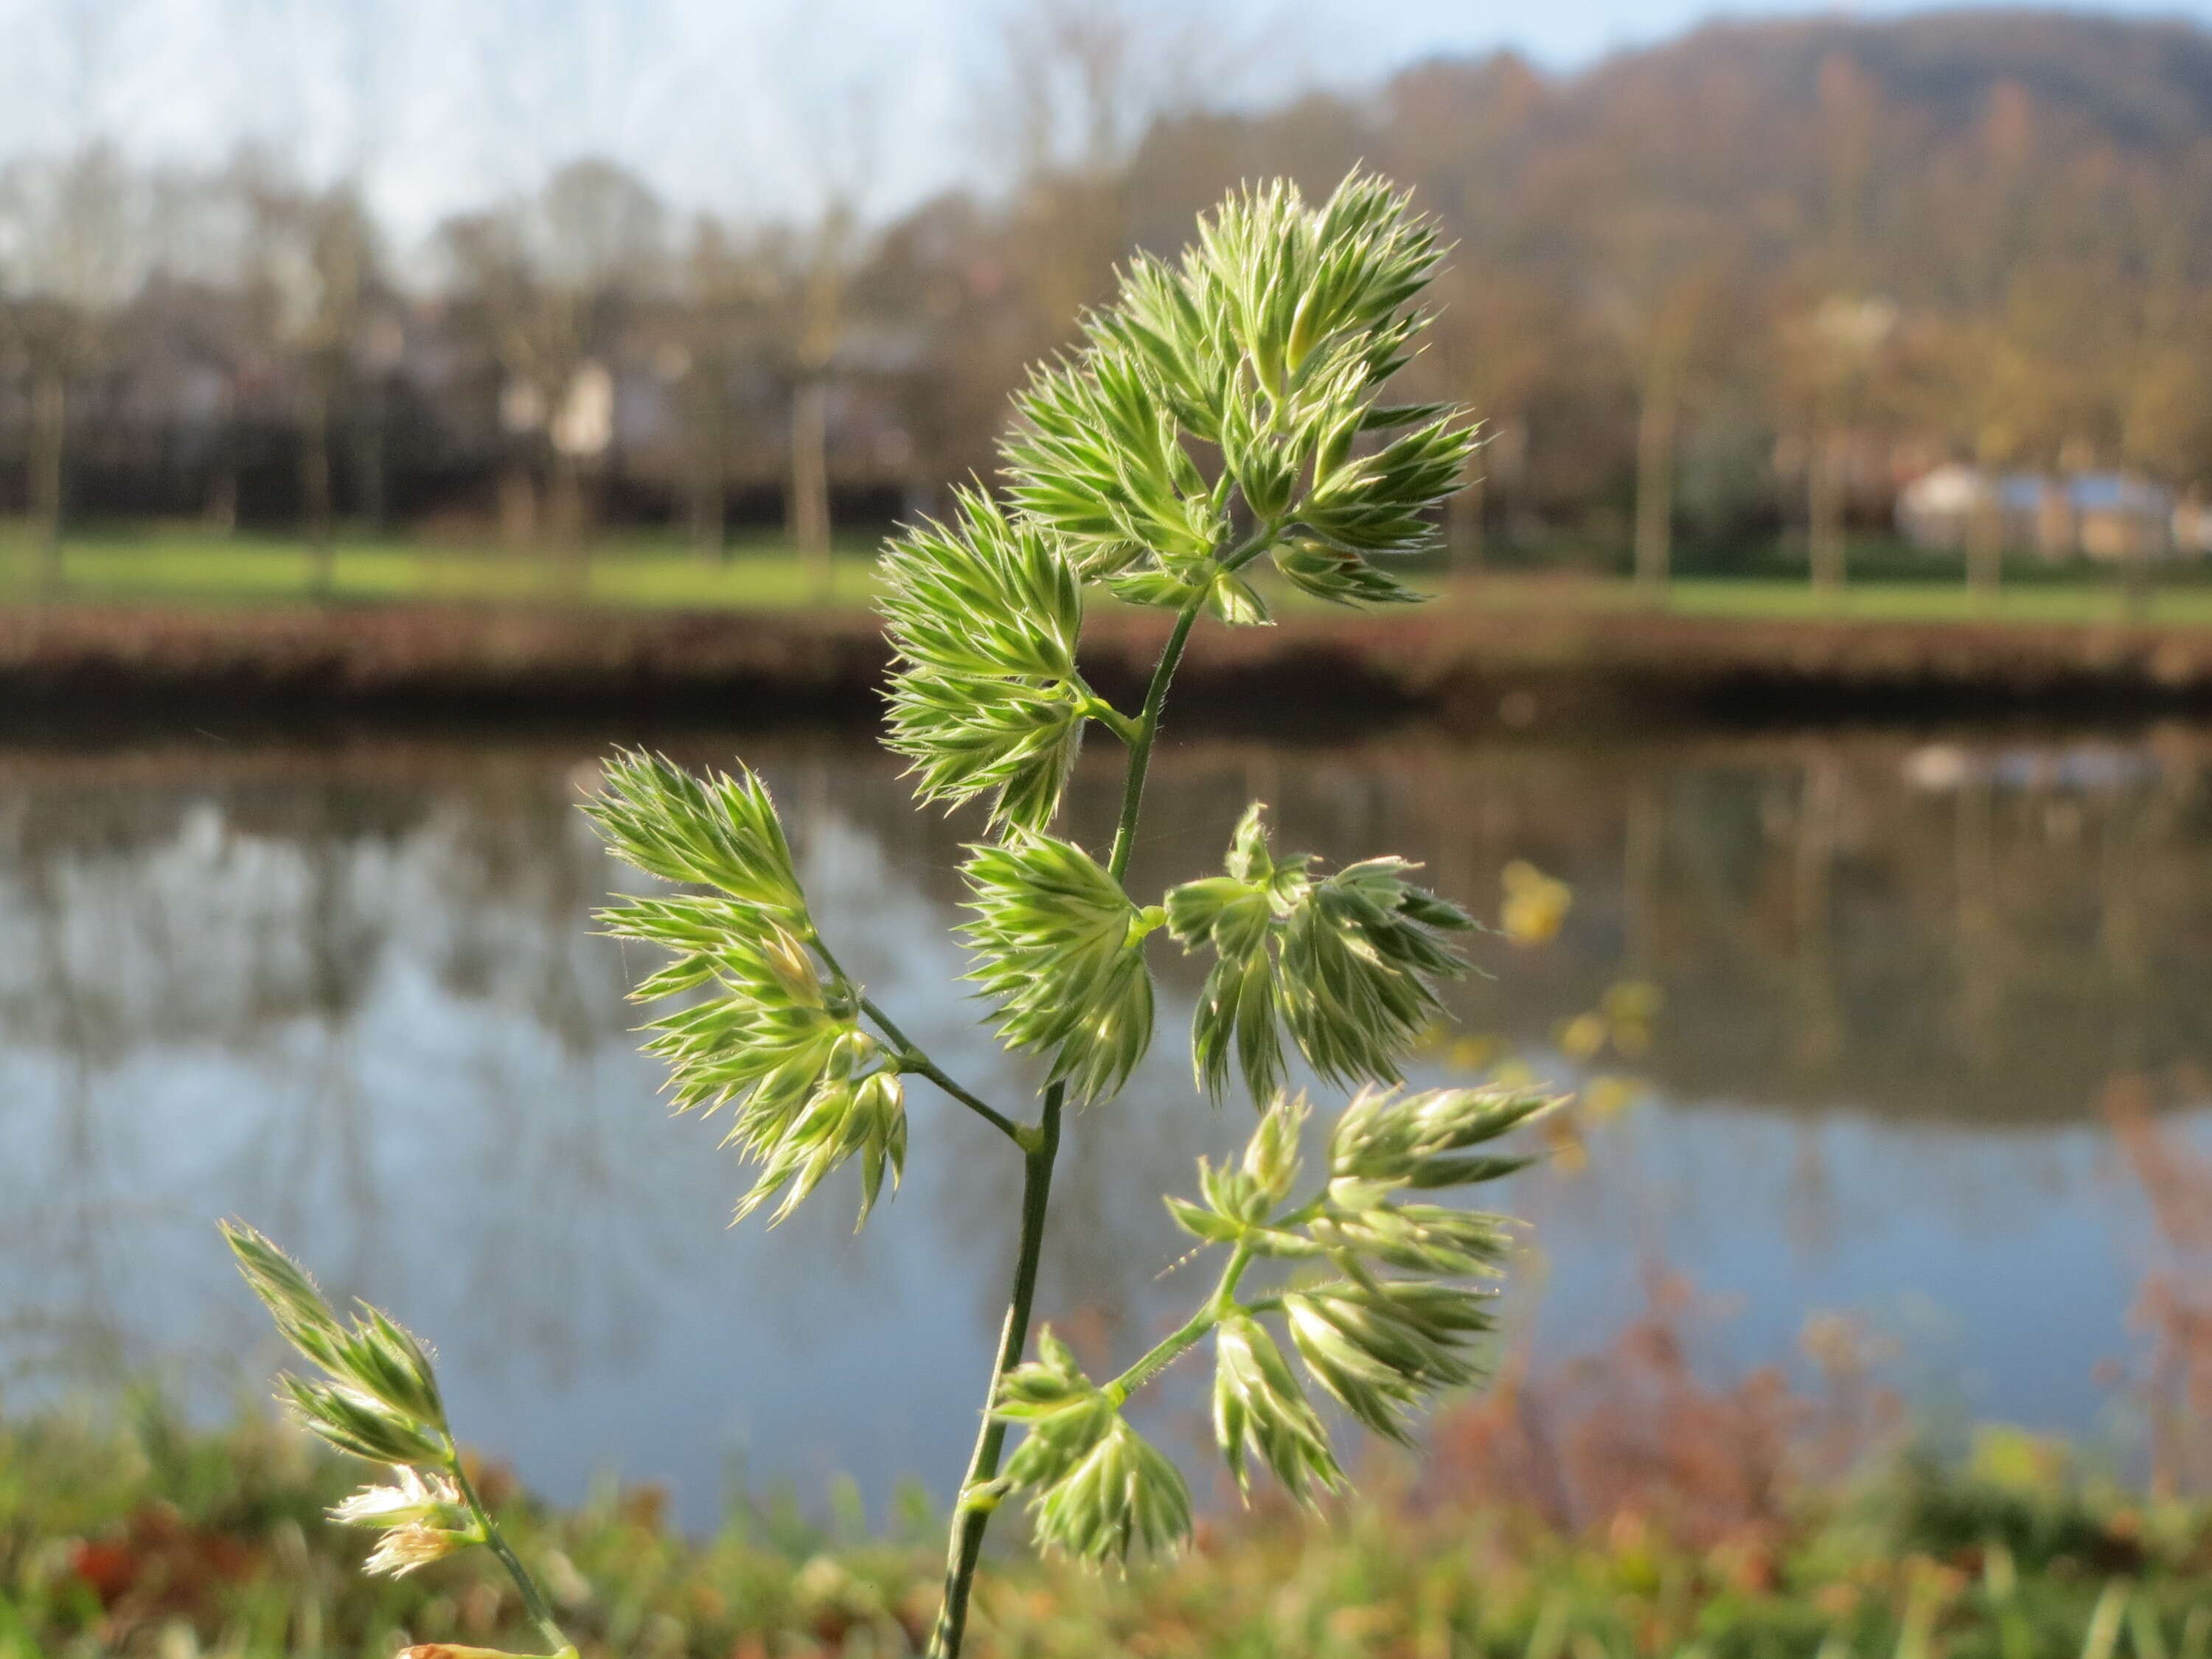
(350, 991)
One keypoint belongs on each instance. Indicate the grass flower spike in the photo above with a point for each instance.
(423, 1519)
(1219, 426)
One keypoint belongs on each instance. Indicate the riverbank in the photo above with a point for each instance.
(1514, 659)
(152, 1538)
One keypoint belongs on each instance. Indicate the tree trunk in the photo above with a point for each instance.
(566, 511)
(1467, 512)
(518, 507)
(710, 515)
(370, 483)
(709, 506)
(220, 514)
(810, 480)
(49, 429)
(315, 484)
(1984, 551)
(2134, 579)
(1655, 480)
(1824, 516)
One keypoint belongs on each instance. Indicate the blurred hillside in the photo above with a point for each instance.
(1716, 300)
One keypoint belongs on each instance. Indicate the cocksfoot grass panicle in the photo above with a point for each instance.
(1223, 416)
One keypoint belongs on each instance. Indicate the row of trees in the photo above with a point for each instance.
(183, 331)
(1737, 286)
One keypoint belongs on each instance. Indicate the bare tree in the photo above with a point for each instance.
(1078, 86)
(1488, 352)
(316, 261)
(834, 129)
(1658, 308)
(72, 260)
(1832, 362)
(817, 289)
(717, 325)
(551, 282)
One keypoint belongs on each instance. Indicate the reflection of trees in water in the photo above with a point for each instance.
(241, 934)
(1976, 931)
(70, 1330)
(372, 979)
(554, 1236)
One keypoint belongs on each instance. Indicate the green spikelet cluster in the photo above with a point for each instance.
(984, 611)
(1102, 1490)
(1264, 349)
(765, 1021)
(1219, 427)
(378, 1400)
(1347, 963)
(1060, 947)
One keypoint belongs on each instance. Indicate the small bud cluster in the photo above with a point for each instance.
(778, 1030)
(1346, 962)
(379, 1401)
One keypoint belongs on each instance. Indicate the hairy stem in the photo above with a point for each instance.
(1148, 723)
(1140, 746)
(1173, 1347)
(911, 1059)
(971, 1514)
(1098, 708)
(533, 1599)
(1261, 538)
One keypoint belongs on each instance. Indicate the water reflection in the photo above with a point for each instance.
(350, 991)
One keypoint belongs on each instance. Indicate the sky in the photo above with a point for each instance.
(744, 106)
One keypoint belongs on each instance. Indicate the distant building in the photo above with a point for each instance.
(2097, 515)
(2192, 524)
(1937, 509)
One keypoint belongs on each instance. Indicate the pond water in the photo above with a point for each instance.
(1921, 999)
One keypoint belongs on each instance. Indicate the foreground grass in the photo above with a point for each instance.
(148, 1539)
(649, 573)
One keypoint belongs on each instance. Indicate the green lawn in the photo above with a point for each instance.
(1773, 599)
(207, 570)
(657, 573)
(2050, 602)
